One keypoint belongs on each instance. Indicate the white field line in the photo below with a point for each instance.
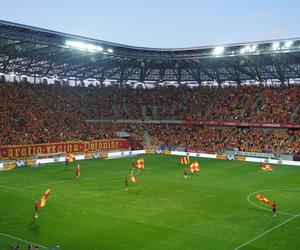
(269, 190)
(266, 232)
(25, 241)
(57, 182)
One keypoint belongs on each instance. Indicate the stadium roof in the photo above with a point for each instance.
(34, 51)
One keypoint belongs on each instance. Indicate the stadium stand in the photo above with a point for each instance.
(39, 113)
(216, 139)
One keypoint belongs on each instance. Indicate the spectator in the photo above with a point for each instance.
(33, 113)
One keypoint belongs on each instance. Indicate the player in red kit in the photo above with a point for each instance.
(185, 173)
(36, 209)
(126, 184)
(274, 207)
(77, 172)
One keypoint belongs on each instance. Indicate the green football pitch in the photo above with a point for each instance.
(216, 209)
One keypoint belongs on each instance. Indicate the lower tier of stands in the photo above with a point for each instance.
(181, 135)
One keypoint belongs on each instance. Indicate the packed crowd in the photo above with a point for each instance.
(217, 138)
(293, 146)
(40, 113)
(206, 138)
(249, 103)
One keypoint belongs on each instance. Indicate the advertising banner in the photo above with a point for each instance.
(26, 151)
(242, 124)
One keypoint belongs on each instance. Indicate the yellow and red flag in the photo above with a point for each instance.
(71, 157)
(139, 164)
(44, 198)
(264, 199)
(194, 167)
(78, 171)
(184, 160)
(266, 167)
(132, 178)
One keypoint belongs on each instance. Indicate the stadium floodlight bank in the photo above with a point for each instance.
(31, 51)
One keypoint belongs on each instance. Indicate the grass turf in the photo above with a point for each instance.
(163, 211)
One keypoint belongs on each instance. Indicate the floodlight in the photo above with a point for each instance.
(276, 46)
(70, 43)
(110, 50)
(288, 44)
(248, 49)
(218, 50)
(84, 46)
(253, 48)
(98, 48)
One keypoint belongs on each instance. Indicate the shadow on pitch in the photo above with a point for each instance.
(34, 227)
(136, 192)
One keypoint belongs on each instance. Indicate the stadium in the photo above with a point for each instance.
(112, 146)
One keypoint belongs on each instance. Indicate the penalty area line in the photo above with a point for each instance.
(266, 232)
(25, 241)
(280, 212)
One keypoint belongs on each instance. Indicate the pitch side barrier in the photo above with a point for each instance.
(79, 157)
(180, 153)
(202, 155)
(238, 158)
(121, 154)
(61, 159)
